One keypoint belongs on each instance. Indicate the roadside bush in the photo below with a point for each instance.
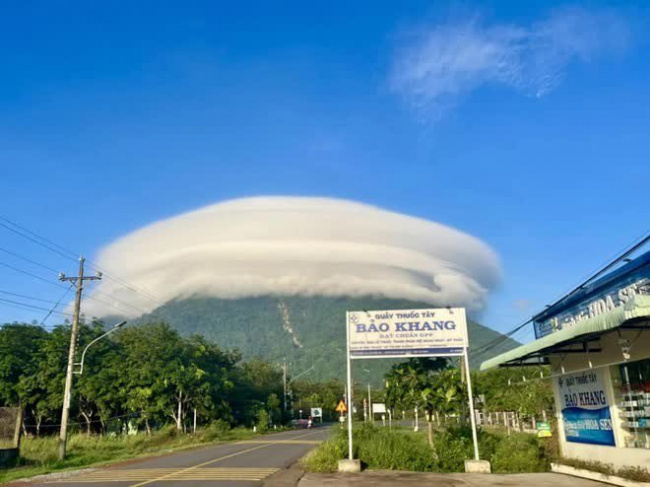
(263, 421)
(519, 453)
(217, 430)
(451, 447)
(638, 474)
(381, 448)
(402, 449)
(324, 459)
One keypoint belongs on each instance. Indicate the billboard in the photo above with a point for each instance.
(599, 297)
(378, 408)
(586, 413)
(407, 333)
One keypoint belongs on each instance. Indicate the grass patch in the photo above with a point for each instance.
(402, 449)
(39, 455)
(638, 474)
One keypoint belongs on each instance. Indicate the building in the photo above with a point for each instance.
(596, 341)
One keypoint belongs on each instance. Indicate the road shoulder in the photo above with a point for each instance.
(384, 478)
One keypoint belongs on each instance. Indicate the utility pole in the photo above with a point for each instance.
(78, 283)
(284, 382)
(372, 416)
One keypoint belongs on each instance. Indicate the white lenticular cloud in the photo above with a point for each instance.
(294, 245)
(445, 61)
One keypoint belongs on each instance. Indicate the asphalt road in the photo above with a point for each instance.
(239, 464)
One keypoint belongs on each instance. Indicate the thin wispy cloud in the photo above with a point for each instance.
(445, 61)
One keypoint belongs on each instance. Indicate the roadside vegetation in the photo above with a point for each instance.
(637, 474)
(380, 448)
(142, 391)
(39, 455)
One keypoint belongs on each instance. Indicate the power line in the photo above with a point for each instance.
(114, 299)
(69, 254)
(636, 245)
(49, 313)
(30, 274)
(26, 259)
(24, 296)
(40, 278)
(30, 306)
(39, 240)
(126, 284)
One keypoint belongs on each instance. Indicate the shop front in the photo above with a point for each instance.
(596, 341)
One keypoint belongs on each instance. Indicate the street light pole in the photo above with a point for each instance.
(83, 355)
(288, 383)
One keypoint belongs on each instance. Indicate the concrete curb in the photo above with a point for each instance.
(47, 477)
(288, 477)
(599, 477)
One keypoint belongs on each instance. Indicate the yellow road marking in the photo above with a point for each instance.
(131, 475)
(282, 442)
(214, 461)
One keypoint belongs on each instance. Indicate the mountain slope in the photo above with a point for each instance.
(307, 331)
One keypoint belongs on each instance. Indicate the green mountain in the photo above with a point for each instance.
(306, 331)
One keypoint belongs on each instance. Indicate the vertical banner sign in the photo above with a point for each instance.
(407, 333)
(585, 408)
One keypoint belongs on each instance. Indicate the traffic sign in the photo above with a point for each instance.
(341, 408)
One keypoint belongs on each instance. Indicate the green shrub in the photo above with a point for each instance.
(215, 431)
(638, 474)
(262, 421)
(381, 448)
(324, 459)
(402, 449)
(451, 447)
(518, 453)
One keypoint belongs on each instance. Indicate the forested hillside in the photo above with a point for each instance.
(307, 331)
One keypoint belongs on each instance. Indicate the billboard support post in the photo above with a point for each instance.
(470, 397)
(349, 398)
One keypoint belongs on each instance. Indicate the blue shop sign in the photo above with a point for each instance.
(596, 298)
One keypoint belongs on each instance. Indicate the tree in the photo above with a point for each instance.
(19, 346)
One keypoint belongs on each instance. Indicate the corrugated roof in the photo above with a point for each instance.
(636, 308)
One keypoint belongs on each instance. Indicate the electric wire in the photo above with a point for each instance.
(30, 306)
(130, 415)
(636, 245)
(91, 297)
(56, 305)
(69, 254)
(24, 296)
(30, 274)
(37, 239)
(26, 259)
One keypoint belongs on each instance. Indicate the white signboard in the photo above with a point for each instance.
(316, 412)
(378, 408)
(407, 333)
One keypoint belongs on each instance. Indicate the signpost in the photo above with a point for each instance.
(408, 333)
(316, 412)
(544, 429)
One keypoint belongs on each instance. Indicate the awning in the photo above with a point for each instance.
(575, 339)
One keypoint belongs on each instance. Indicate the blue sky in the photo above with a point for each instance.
(522, 123)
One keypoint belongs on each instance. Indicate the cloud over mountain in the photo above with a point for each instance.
(294, 245)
